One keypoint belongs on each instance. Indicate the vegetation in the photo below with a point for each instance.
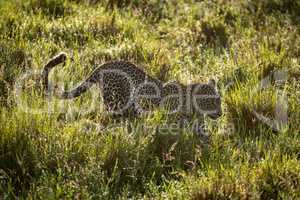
(55, 151)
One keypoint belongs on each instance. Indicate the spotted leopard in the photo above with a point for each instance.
(128, 91)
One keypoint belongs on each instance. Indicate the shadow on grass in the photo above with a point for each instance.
(152, 159)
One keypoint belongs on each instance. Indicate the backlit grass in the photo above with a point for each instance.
(56, 150)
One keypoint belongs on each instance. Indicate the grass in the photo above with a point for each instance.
(60, 153)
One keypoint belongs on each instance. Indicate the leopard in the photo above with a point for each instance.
(128, 91)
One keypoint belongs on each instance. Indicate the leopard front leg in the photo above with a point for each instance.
(199, 129)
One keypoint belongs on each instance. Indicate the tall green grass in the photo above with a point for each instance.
(66, 153)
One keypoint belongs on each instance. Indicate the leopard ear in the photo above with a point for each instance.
(212, 82)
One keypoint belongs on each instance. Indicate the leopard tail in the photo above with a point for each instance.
(73, 93)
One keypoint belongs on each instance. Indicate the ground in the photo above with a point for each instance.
(52, 149)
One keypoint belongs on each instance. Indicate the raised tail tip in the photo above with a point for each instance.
(62, 56)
